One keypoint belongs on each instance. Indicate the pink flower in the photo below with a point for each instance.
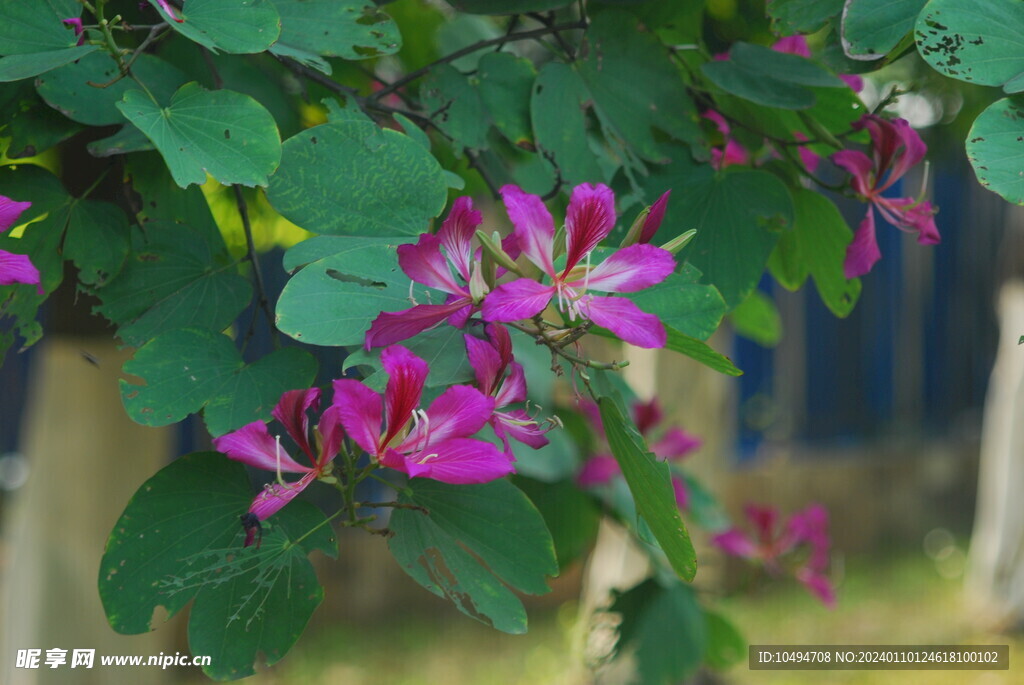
(15, 268)
(773, 542)
(425, 264)
(797, 45)
(76, 24)
(490, 360)
(427, 444)
(895, 148)
(652, 222)
(166, 7)
(590, 218)
(731, 152)
(252, 444)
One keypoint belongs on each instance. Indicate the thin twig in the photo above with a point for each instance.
(261, 291)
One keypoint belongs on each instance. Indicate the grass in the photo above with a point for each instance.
(902, 600)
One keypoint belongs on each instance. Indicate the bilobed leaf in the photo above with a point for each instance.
(35, 27)
(821, 237)
(649, 482)
(189, 369)
(689, 307)
(634, 85)
(68, 91)
(17, 67)
(570, 514)
(769, 78)
(223, 133)
(351, 29)
(978, 41)
(333, 300)
(666, 627)
(354, 178)
(994, 146)
(757, 318)
(872, 28)
(802, 16)
(455, 106)
(506, 83)
(173, 279)
(559, 123)
(237, 26)
(470, 540)
(34, 127)
(96, 240)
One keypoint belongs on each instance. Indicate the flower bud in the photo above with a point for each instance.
(492, 247)
(679, 242)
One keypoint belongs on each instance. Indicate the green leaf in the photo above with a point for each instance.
(350, 29)
(68, 91)
(738, 217)
(725, 645)
(972, 40)
(259, 603)
(687, 306)
(34, 128)
(557, 460)
(571, 515)
(821, 237)
(415, 132)
(469, 540)
(34, 27)
(443, 348)
(666, 627)
(559, 124)
(17, 67)
(173, 279)
(354, 178)
(649, 481)
(802, 16)
(769, 78)
(455, 106)
(127, 139)
(635, 86)
(701, 351)
(506, 83)
(757, 318)
(223, 133)
(507, 6)
(994, 146)
(190, 369)
(333, 300)
(96, 240)
(236, 26)
(872, 28)
(20, 302)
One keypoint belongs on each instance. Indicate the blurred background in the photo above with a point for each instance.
(887, 418)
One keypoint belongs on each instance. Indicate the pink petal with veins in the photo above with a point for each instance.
(252, 444)
(630, 269)
(407, 374)
(534, 227)
(460, 461)
(359, 411)
(290, 412)
(625, 320)
(589, 219)
(516, 300)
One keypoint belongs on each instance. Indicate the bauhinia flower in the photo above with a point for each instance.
(773, 541)
(895, 148)
(76, 24)
(590, 218)
(426, 444)
(252, 444)
(15, 268)
(490, 360)
(424, 263)
(731, 152)
(674, 444)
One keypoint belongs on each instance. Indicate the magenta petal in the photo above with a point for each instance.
(589, 219)
(676, 444)
(793, 45)
(855, 82)
(457, 233)
(460, 461)
(520, 426)
(253, 445)
(652, 222)
(359, 410)
(392, 327)
(863, 252)
(625, 320)
(735, 543)
(906, 213)
(647, 415)
(290, 412)
(331, 434)
(535, 229)
(598, 470)
(486, 363)
(681, 493)
(407, 374)
(859, 166)
(170, 11)
(819, 585)
(630, 269)
(17, 268)
(913, 152)
(516, 300)
(590, 409)
(720, 123)
(424, 263)
(458, 412)
(275, 496)
(513, 388)
(10, 211)
(764, 519)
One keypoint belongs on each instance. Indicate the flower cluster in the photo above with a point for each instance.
(774, 541)
(674, 444)
(15, 268)
(473, 287)
(895, 148)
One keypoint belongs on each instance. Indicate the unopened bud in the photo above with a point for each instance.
(492, 247)
(477, 285)
(633, 234)
(679, 242)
